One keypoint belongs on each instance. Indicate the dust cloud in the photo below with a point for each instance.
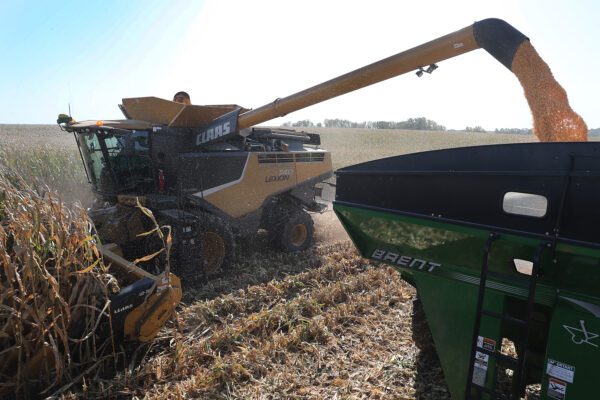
(328, 229)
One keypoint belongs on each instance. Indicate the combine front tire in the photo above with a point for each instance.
(210, 251)
(295, 233)
(217, 245)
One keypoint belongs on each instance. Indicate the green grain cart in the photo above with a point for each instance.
(502, 246)
(500, 242)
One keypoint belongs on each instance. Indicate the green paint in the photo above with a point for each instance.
(573, 342)
(449, 291)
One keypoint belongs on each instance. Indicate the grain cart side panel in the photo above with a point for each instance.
(573, 355)
(449, 306)
(440, 260)
(433, 215)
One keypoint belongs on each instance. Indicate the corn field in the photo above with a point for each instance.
(54, 288)
(323, 323)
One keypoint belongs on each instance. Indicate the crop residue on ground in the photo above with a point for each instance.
(324, 323)
(332, 324)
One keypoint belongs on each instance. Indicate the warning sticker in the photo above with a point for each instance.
(480, 368)
(557, 389)
(560, 370)
(486, 343)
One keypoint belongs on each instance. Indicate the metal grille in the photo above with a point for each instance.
(310, 157)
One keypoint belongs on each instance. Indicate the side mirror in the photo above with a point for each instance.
(63, 119)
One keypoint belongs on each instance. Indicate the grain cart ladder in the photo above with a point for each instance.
(483, 348)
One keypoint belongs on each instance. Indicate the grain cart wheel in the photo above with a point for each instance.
(217, 244)
(295, 233)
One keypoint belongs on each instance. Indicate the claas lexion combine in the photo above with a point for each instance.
(499, 241)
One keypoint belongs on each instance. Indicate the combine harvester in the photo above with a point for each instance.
(492, 237)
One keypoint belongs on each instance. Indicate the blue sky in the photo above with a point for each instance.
(84, 52)
(93, 53)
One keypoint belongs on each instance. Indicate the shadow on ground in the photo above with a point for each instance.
(258, 262)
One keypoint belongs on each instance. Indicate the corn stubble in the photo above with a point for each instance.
(53, 289)
(337, 326)
(319, 324)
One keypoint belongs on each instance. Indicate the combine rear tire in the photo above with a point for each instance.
(295, 233)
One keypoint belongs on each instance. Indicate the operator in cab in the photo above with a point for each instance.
(183, 98)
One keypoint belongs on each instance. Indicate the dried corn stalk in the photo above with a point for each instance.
(54, 289)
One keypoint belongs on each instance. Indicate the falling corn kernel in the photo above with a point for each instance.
(553, 118)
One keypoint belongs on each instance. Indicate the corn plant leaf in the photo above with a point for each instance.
(148, 257)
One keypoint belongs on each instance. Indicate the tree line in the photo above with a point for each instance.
(419, 124)
(515, 131)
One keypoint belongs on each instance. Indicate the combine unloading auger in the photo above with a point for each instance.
(505, 43)
(554, 120)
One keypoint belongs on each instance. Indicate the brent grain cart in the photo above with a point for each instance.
(501, 244)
